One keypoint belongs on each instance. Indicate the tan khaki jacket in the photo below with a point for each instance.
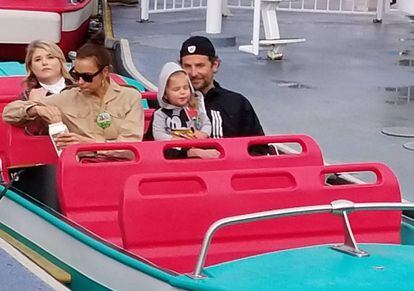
(79, 113)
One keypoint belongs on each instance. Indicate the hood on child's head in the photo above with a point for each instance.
(167, 70)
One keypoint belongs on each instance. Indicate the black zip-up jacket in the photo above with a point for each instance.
(231, 114)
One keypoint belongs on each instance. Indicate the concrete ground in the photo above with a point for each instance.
(19, 273)
(342, 86)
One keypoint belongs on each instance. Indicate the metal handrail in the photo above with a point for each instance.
(335, 207)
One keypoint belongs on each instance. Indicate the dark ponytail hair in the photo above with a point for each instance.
(95, 48)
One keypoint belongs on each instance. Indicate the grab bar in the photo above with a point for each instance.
(338, 207)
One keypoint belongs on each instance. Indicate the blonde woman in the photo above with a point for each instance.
(46, 68)
(96, 110)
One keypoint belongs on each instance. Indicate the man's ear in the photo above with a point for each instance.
(216, 65)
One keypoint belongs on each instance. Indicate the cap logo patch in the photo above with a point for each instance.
(191, 49)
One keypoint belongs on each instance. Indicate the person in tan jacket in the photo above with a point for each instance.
(97, 110)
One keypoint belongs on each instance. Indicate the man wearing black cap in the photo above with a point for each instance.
(230, 113)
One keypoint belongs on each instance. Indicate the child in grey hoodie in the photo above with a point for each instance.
(182, 114)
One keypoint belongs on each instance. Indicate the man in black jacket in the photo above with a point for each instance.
(230, 113)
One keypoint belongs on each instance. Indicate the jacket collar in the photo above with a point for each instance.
(113, 90)
(213, 91)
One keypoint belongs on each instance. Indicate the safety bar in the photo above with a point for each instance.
(338, 207)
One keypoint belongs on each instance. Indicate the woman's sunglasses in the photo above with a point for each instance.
(87, 77)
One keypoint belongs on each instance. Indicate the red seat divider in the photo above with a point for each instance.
(89, 193)
(164, 217)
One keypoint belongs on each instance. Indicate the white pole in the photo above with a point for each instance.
(380, 10)
(256, 26)
(225, 8)
(144, 10)
(213, 21)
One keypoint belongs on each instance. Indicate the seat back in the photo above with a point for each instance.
(164, 217)
(16, 146)
(90, 193)
(10, 90)
(24, 149)
(3, 146)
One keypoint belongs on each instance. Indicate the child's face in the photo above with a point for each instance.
(178, 89)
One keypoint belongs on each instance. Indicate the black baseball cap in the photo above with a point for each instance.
(197, 45)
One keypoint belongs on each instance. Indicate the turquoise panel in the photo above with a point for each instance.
(134, 83)
(139, 86)
(12, 69)
(389, 267)
(144, 103)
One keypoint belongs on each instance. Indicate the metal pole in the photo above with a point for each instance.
(144, 10)
(380, 11)
(225, 8)
(213, 21)
(256, 26)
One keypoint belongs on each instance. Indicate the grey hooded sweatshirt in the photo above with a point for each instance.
(170, 117)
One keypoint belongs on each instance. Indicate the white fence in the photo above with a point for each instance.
(329, 6)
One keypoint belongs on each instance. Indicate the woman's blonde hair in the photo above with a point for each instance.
(31, 80)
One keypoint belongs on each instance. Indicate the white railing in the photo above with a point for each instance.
(159, 6)
(329, 6)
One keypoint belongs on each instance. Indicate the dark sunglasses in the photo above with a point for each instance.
(87, 77)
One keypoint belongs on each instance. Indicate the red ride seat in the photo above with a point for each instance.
(164, 217)
(10, 90)
(18, 148)
(90, 193)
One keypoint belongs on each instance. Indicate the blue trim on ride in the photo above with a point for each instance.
(134, 83)
(12, 69)
(389, 267)
(87, 240)
(139, 86)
